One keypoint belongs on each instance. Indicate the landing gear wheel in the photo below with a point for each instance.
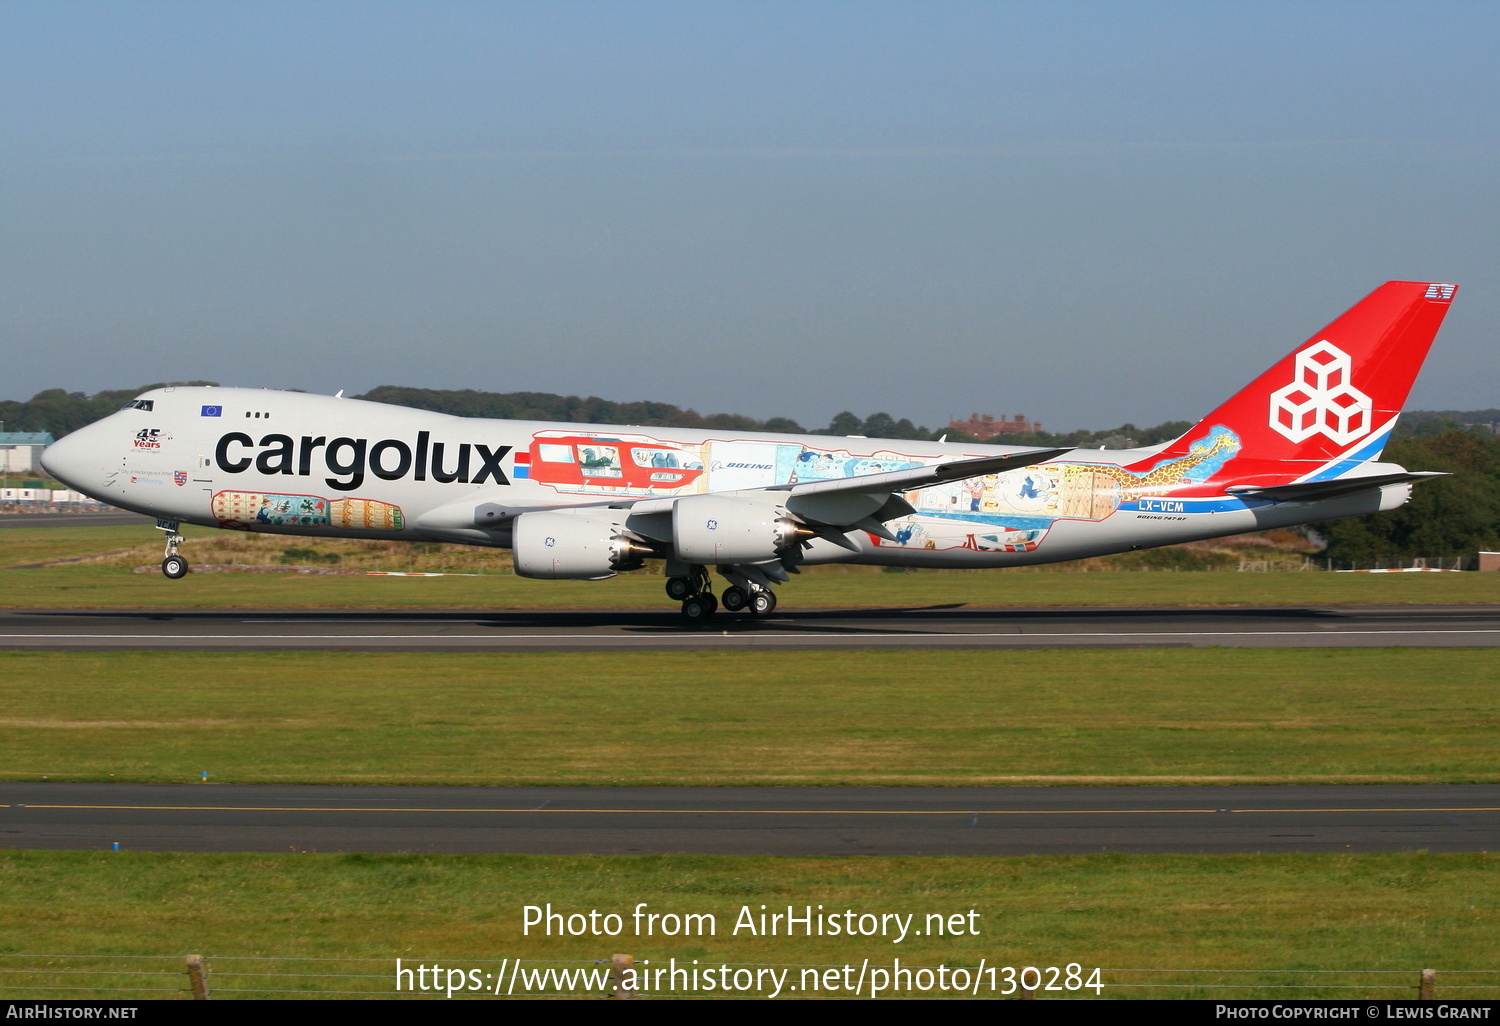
(699, 607)
(173, 566)
(763, 603)
(734, 599)
(679, 588)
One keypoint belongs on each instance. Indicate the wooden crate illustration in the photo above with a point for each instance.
(1089, 495)
(367, 514)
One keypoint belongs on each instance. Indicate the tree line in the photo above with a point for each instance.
(60, 412)
(1453, 516)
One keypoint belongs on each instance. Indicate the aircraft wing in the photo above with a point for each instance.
(923, 477)
(865, 503)
(1307, 491)
(832, 508)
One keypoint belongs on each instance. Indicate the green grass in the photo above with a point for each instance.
(20, 546)
(1137, 716)
(107, 582)
(1270, 915)
(95, 587)
(1273, 550)
(893, 718)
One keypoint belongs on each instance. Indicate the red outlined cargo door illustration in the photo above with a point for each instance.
(599, 463)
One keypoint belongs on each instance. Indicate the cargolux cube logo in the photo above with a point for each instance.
(1322, 400)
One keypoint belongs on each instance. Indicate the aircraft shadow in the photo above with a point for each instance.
(933, 619)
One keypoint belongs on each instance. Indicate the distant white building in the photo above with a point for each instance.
(21, 451)
(51, 496)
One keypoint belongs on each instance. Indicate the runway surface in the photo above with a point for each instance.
(750, 821)
(608, 630)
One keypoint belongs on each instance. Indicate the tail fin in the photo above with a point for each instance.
(1328, 406)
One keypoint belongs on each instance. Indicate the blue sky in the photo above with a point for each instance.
(1089, 213)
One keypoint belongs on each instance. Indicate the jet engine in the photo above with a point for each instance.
(575, 545)
(717, 530)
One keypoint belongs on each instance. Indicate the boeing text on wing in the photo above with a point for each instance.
(1300, 444)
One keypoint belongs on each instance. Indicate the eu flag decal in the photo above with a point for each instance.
(212, 411)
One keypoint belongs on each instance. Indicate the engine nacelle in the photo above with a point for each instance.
(581, 545)
(717, 530)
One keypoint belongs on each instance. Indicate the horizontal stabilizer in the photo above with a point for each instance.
(1306, 491)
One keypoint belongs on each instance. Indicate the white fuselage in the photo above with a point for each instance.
(293, 463)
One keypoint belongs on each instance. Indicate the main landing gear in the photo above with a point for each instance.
(748, 589)
(173, 566)
(694, 590)
(760, 602)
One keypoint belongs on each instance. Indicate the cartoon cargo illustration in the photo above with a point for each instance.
(1012, 512)
(797, 464)
(250, 509)
(366, 513)
(246, 509)
(584, 463)
(1007, 512)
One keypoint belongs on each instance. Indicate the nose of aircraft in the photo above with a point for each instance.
(76, 461)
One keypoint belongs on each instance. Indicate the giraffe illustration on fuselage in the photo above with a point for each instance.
(1094, 490)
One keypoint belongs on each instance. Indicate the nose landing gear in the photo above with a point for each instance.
(173, 566)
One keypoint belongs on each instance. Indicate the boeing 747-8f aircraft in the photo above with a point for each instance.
(1300, 444)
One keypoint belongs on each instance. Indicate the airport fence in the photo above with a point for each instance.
(1407, 564)
(76, 978)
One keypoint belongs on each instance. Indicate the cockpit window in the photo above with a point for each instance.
(140, 404)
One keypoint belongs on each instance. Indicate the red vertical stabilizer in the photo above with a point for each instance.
(1331, 403)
